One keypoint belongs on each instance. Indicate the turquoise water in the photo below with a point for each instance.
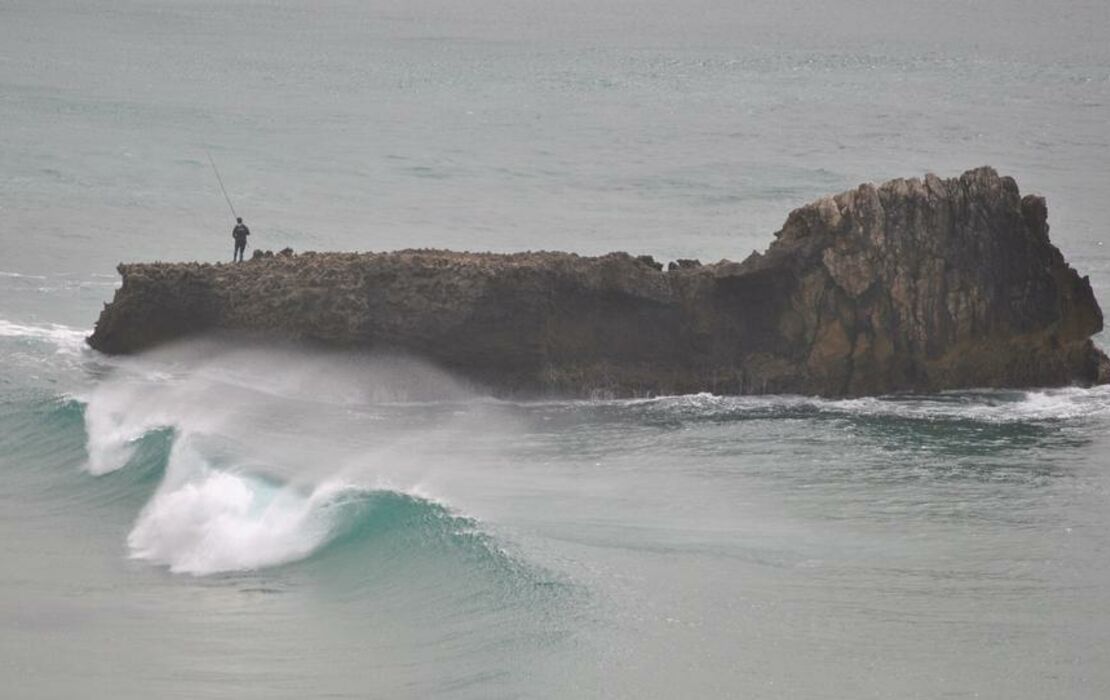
(218, 521)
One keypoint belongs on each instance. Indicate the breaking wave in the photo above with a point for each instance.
(264, 459)
(204, 520)
(270, 456)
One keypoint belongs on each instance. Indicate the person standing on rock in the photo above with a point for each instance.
(239, 233)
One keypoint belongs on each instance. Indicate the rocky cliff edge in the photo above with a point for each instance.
(913, 285)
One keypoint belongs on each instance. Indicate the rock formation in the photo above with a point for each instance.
(914, 285)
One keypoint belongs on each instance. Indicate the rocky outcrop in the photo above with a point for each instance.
(914, 285)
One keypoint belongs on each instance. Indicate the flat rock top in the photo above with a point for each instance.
(819, 222)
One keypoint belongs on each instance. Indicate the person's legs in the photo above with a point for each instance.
(239, 249)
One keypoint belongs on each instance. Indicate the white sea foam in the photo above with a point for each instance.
(989, 406)
(204, 520)
(66, 339)
(19, 275)
(112, 435)
(120, 411)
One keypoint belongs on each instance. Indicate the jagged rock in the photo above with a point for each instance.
(914, 285)
(683, 264)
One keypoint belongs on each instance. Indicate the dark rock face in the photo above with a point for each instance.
(914, 285)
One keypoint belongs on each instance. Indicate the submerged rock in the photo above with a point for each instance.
(914, 285)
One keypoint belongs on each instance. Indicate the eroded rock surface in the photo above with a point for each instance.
(914, 285)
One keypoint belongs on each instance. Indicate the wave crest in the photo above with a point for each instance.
(212, 520)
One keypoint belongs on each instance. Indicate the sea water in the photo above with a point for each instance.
(213, 521)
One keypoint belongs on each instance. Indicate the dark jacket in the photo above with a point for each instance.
(240, 233)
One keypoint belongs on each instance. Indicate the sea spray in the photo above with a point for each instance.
(275, 452)
(204, 520)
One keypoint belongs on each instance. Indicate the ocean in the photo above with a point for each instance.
(232, 521)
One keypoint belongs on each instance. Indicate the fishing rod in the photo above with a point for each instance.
(222, 188)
